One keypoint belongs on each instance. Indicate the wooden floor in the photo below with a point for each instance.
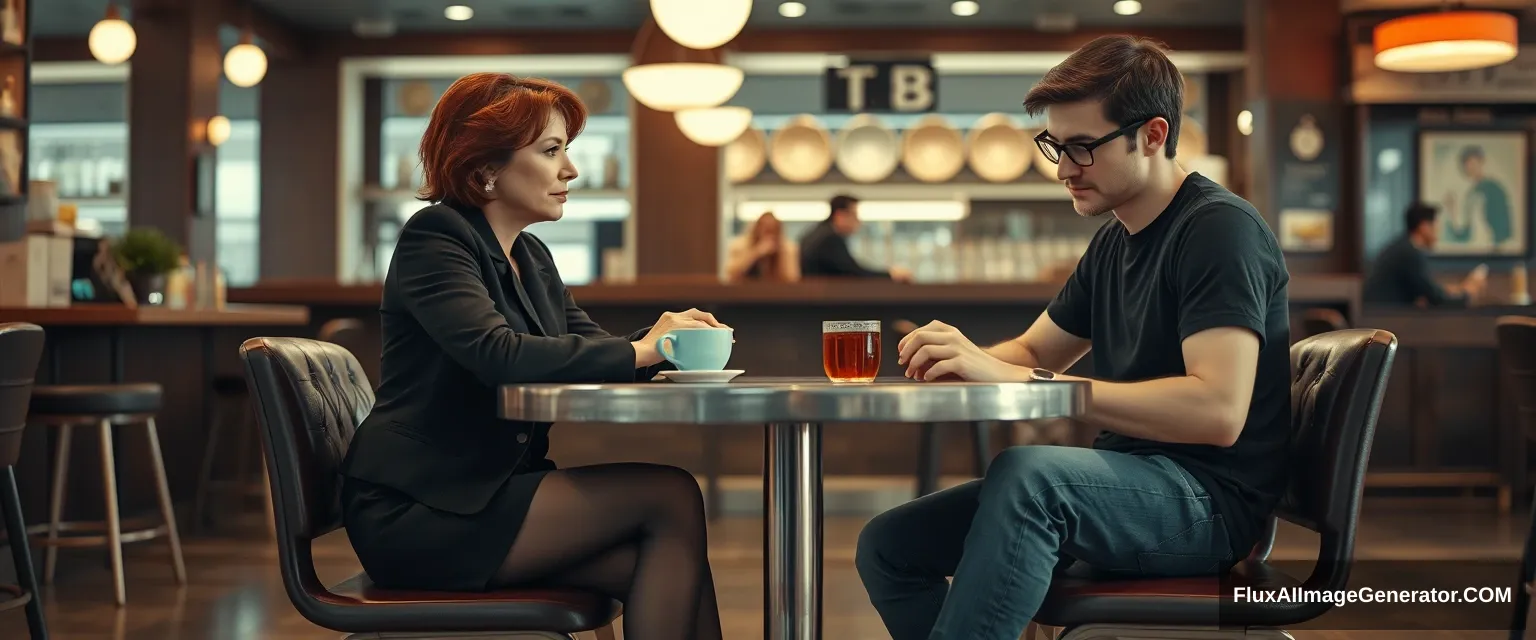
(234, 592)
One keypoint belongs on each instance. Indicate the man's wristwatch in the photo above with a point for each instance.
(1041, 374)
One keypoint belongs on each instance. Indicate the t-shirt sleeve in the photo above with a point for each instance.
(1072, 308)
(1225, 272)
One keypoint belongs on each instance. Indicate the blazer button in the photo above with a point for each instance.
(522, 438)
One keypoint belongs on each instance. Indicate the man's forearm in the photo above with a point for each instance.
(1179, 409)
(1015, 353)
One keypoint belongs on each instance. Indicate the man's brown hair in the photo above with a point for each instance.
(1131, 76)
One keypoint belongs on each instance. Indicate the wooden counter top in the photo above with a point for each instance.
(118, 315)
(1324, 289)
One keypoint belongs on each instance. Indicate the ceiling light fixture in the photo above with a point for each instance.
(674, 86)
(1446, 41)
(458, 12)
(1128, 7)
(965, 8)
(701, 24)
(112, 40)
(792, 9)
(245, 64)
(219, 129)
(715, 126)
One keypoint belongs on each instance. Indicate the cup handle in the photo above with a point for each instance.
(664, 347)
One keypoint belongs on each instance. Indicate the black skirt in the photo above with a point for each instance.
(404, 544)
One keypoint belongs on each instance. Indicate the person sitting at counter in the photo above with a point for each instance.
(762, 253)
(824, 248)
(438, 492)
(1182, 299)
(1400, 274)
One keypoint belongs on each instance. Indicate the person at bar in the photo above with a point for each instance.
(439, 493)
(1400, 274)
(762, 253)
(824, 247)
(1182, 299)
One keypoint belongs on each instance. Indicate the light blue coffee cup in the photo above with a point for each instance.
(696, 348)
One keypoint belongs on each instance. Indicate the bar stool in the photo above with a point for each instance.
(21, 349)
(104, 406)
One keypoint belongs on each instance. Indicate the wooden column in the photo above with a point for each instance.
(174, 92)
(299, 121)
(1296, 71)
(676, 182)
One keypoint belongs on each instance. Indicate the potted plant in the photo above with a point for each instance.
(146, 255)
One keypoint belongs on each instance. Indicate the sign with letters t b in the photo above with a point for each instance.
(901, 86)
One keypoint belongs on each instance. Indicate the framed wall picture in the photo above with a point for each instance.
(1306, 230)
(1479, 181)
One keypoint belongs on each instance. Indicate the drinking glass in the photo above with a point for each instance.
(850, 350)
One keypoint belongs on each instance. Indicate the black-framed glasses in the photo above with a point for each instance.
(1080, 153)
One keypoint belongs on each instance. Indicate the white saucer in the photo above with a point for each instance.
(701, 376)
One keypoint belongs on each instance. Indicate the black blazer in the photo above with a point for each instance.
(457, 324)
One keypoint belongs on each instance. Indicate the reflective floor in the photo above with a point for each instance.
(235, 592)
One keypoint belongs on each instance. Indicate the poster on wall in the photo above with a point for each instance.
(1478, 181)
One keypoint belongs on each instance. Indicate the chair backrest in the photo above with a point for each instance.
(21, 350)
(1320, 320)
(1338, 380)
(1517, 359)
(310, 397)
(351, 334)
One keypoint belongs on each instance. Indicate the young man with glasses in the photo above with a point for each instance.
(1182, 299)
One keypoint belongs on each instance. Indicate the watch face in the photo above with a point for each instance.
(1043, 374)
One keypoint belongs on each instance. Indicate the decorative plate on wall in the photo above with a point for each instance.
(933, 150)
(998, 150)
(746, 156)
(801, 151)
(867, 150)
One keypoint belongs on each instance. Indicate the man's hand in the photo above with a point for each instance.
(901, 274)
(939, 351)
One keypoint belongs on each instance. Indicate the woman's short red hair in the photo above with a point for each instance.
(480, 121)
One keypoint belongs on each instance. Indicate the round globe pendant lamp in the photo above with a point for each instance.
(1446, 41)
(701, 24)
(112, 40)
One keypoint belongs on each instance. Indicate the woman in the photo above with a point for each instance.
(441, 494)
(762, 253)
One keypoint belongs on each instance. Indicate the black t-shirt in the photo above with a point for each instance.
(1208, 260)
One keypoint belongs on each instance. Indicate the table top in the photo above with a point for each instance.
(107, 315)
(761, 400)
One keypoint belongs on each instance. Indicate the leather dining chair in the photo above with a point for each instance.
(1338, 380)
(21, 350)
(310, 397)
(1517, 358)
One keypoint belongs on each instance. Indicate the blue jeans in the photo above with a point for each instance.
(1039, 509)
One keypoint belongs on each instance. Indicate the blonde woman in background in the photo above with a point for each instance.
(763, 253)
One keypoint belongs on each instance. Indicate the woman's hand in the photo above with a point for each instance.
(645, 349)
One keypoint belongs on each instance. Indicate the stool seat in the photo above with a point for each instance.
(96, 399)
(410, 610)
(1081, 596)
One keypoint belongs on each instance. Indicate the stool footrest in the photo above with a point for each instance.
(133, 530)
(18, 597)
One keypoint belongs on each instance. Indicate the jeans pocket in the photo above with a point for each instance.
(1202, 549)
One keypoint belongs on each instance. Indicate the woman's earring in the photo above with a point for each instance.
(490, 184)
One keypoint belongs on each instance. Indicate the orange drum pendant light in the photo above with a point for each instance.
(1446, 41)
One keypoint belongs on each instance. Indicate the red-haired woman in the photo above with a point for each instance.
(439, 493)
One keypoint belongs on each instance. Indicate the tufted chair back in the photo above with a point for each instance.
(310, 397)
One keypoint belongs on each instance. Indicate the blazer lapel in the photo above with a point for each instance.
(504, 272)
(547, 312)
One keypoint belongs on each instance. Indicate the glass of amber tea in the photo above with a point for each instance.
(850, 350)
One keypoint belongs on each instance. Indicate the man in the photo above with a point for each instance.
(1400, 274)
(1182, 297)
(824, 248)
(1486, 199)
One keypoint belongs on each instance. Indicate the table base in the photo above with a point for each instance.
(792, 527)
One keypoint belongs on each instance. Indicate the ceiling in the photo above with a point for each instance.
(75, 17)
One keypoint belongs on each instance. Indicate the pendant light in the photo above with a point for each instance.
(112, 40)
(1446, 41)
(701, 24)
(713, 127)
(245, 64)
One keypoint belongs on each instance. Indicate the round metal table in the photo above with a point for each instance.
(793, 409)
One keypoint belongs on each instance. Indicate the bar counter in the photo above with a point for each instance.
(182, 350)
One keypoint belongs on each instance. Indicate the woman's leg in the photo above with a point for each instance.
(613, 574)
(580, 520)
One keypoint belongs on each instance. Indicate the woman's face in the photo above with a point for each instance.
(533, 183)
